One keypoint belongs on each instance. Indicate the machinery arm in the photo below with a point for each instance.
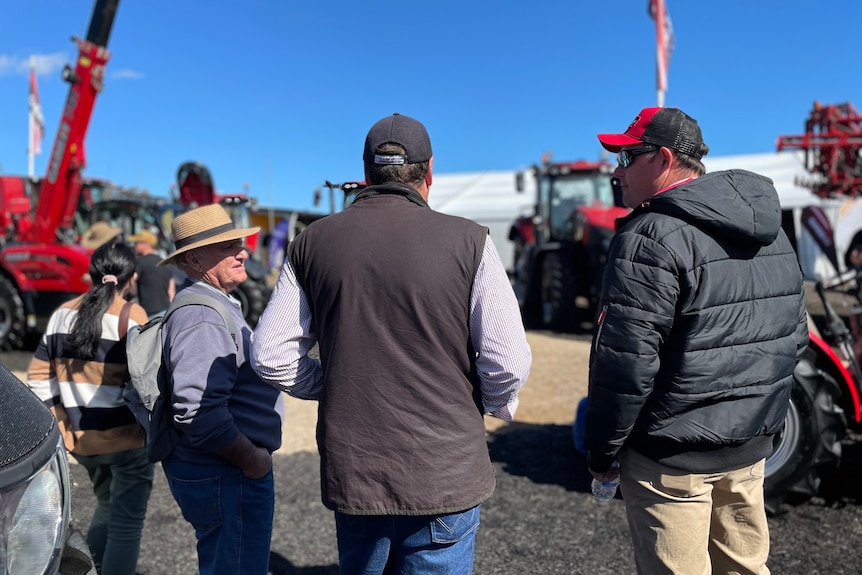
(61, 187)
(833, 149)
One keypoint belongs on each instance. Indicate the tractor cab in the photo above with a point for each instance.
(560, 249)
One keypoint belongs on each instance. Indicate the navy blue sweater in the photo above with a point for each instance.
(216, 394)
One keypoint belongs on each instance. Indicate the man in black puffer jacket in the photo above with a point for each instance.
(700, 325)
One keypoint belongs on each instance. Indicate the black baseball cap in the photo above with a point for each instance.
(408, 133)
(666, 127)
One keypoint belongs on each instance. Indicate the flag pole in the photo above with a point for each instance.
(31, 153)
(661, 54)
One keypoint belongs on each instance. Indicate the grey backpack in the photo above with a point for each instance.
(148, 391)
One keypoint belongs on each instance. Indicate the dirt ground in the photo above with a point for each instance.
(542, 518)
(558, 380)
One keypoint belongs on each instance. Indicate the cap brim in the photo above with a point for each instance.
(615, 142)
(223, 237)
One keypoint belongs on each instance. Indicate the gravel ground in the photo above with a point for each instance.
(542, 518)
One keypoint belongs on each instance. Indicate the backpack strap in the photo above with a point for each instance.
(208, 301)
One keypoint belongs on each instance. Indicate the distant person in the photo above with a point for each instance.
(700, 325)
(853, 261)
(78, 370)
(420, 335)
(853, 255)
(155, 287)
(99, 233)
(277, 244)
(229, 421)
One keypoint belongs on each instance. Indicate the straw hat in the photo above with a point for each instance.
(146, 237)
(202, 227)
(98, 234)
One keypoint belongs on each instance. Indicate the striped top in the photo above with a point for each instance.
(86, 395)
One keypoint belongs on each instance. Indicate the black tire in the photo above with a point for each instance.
(809, 446)
(13, 320)
(558, 291)
(517, 250)
(526, 285)
(253, 296)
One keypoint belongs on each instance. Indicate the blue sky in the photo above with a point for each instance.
(279, 95)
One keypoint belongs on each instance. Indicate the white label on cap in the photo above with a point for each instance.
(389, 160)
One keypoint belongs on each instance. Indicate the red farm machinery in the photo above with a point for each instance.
(561, 248)
(826, 409)
(41, 261)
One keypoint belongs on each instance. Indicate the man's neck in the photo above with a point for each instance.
(673, 178)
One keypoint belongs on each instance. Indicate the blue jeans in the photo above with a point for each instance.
(122, 482)
(232, 515)
(408, 545)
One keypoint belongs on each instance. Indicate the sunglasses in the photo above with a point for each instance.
(626, 157)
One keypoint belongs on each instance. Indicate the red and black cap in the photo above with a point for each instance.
(666, 127)
(408, 133)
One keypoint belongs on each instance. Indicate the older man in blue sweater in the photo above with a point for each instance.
(220, 473)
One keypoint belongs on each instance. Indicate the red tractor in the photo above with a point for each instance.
(41, 263)
(826, 401)
(561, 249)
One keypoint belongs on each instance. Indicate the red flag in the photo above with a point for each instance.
(37, 121)
(664, 42)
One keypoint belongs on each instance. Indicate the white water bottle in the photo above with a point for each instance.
(606, 490)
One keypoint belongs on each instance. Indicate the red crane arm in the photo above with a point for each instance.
(60, 189)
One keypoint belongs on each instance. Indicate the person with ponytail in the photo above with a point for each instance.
(78, 371)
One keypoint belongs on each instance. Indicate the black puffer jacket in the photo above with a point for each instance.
(701, 323)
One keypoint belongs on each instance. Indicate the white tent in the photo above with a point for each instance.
(490, 198)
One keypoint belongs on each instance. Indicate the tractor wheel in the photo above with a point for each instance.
(253, 297)
(526, 285)
(13, 324)
(558, 291)
(810, 443)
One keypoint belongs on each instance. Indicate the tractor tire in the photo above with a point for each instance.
(13, 320)
(558, 292)
(526, 286)
(253, 296)
(809, 446)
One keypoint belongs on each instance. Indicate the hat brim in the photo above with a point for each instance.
(615, 142)
(216, 239)
(97, 240)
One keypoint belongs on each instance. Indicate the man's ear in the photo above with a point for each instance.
(666, 155)
(428, 176)
(193, 260)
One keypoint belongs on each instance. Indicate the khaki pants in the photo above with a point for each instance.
(695, 523)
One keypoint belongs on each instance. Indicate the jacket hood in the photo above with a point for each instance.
(737, 205)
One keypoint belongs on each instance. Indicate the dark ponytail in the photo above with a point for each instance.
(111, 268)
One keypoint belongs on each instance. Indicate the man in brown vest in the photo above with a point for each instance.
(420, 335)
